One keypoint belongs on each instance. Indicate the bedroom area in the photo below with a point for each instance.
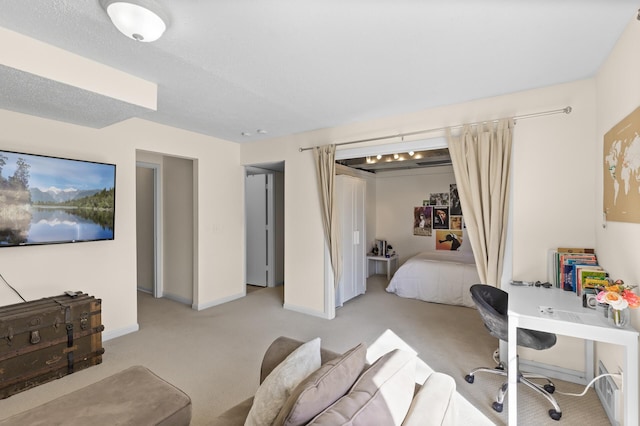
(411, 203)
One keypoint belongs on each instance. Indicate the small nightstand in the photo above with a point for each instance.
(391, 263)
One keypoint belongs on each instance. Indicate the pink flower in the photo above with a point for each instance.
(618, 296)
(612, 298)
(631, 298)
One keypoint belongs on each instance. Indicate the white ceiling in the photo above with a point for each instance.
(224, 67)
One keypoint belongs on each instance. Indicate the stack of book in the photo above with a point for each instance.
(382, 247)
(575, 269)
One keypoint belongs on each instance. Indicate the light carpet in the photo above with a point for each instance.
(214, 355)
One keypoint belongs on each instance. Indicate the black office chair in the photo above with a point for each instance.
(492, 305)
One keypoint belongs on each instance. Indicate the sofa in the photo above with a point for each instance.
(320, 387)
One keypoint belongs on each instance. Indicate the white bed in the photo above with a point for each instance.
(437, 276)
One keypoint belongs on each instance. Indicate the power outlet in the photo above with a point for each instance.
(610, 395)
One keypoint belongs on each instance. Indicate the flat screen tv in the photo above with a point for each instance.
(50, 200)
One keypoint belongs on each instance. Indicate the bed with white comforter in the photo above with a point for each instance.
(437, 276)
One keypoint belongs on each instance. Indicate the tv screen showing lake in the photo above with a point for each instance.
(48, 200)
(50, 225)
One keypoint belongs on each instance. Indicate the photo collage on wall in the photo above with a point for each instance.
(441, 212)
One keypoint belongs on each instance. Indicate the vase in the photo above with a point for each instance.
(618, 317)
(603, 309)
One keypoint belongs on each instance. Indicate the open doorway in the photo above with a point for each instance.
(264, 225)
(388, 176)
(165, 206)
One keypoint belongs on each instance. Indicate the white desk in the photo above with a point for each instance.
(524, 312)
(390, 262)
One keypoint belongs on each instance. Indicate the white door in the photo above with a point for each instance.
(350, 200)
(343, 199)
(259, 227)
(360, 237)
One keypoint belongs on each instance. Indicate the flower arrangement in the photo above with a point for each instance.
(619, 297)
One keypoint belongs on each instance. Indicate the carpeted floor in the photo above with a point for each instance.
(214, 355)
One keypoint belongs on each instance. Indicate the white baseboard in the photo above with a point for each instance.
(305, 311)
(554, 372)
(176, 298)
(201, 306)
(112, 334)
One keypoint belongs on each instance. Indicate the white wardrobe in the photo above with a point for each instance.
(350, 201)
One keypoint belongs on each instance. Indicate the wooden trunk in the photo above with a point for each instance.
(46, 339)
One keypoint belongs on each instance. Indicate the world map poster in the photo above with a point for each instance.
(622, 170)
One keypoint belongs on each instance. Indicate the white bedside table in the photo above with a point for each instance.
(391, 263)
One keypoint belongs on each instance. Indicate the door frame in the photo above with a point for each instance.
(270, 213)
(157, 225)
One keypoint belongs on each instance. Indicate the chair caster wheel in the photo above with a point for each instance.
(498, 407)
(469, 378)
(549, 388)
(554, 414)
(500, 367)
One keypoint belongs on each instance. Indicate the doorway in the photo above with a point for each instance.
(165, 206)
(264, 225)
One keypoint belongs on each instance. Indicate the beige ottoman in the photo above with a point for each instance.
(134, 396)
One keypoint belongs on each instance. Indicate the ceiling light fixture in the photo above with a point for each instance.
(396, 156)
(411, 153)
(379, 156)
(140, 20)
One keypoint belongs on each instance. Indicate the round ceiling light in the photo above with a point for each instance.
(135, 21)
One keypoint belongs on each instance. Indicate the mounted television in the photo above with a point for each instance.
(50, 200)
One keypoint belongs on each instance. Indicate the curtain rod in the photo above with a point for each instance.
(566, 110)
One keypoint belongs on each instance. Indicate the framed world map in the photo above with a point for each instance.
(621, 178)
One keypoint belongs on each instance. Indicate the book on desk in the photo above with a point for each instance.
(569, 268)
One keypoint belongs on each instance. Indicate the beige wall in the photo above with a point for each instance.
(219, 217)
(178, 229)
(145, 229)
(107, 269)
(618, 244)
(304, 276)
(546, 152)
(397, 194)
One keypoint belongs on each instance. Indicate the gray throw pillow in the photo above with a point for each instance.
(322, 388)
(381, 396)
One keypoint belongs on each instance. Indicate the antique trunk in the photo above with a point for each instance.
(46, 339)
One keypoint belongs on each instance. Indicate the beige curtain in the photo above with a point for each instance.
(481, 158)
(325, 159)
